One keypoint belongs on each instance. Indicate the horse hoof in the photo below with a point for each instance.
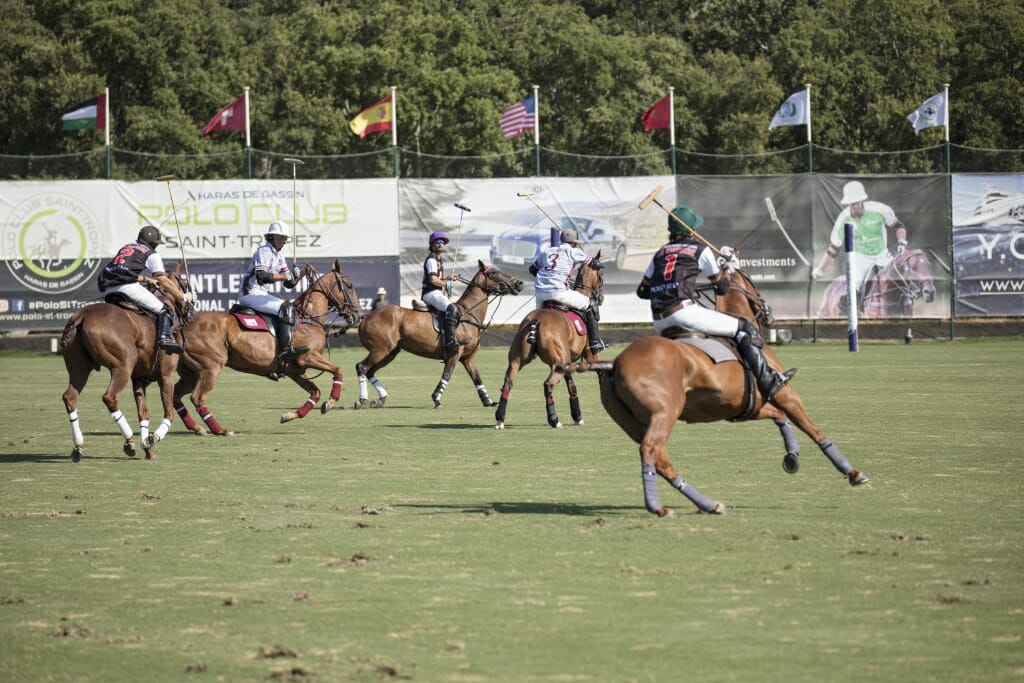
(359, 404)
(326, 408)
(499, 425)
(579, 422)
(717, 509)
(856, 478)
(791, 463)
(666, 512)
(199, 431)
(489, 403)
(129, 448)
(557, 424)
(76, 454)
(437, 404)
(379, 403)
(287, 417)
(150, 455)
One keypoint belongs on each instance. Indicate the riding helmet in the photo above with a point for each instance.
(275, 229)
(853, 192)
(688, 221)
(150, 236)
(569, 235)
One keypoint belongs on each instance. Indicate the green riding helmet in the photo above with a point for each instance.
(685, 214)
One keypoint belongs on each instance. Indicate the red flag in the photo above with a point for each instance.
(231, 117)
(373, 119)
(658, 115)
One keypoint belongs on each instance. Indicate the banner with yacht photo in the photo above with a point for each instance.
(988, 244)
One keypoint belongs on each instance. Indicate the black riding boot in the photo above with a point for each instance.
(285, 330)
(596, 344)
(452, 316)
(165, 332)
(749, 343)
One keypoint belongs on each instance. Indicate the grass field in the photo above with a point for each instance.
(409, 543)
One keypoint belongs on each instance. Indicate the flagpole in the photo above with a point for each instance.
(949, 204)
(672, 127)
(394, 126)
(248, 139)
(106, 126)
(810, 145)
(536, 129)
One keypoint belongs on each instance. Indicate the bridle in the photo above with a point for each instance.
(762, 311)
(595, 292)
(347, 307)
(493, 287)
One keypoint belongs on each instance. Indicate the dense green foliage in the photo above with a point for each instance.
(312, 65)
(419, 544)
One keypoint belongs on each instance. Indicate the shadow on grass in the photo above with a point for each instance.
(507, 508)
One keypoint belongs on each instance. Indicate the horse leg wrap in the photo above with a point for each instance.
(837, 458)
(650, 476)
(363, 393)
(186, 419)
(382, 393)
(336, 388)
(161, 431)
(439, 389)
(481, 391)
(122, 423)
(143, 430)
(788, 437)
(210, 420)
(703, 503)
(305, 408)
(76, 429)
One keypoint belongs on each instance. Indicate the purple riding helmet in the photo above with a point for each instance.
(437, 240)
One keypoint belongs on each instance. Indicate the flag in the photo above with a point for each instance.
(932, 112)
(91, 114)
(658, 115)
(519, 117)
(373, 119)
(793, 112)
(231, 117)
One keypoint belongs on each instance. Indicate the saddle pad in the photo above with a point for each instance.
(575, 318)
(716, 350)
(250, 321)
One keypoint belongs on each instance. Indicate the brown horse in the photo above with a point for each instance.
(891, 294)
(123, 340)
(656, 381)
(551, 335)
(216, 340)
(392, 329)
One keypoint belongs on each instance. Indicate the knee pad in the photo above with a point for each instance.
(747, 334)
(287, 313)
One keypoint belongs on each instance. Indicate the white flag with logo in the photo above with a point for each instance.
(931, 113)
(793, 112)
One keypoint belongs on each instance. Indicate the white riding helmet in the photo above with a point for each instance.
(853, 192)
(569, 235)
(277, 229)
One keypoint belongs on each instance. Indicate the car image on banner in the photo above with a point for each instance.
(518, 247)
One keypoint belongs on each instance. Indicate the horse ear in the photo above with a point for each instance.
(481, 265)
(337, 266)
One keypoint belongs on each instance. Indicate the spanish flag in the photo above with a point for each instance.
(373, 119)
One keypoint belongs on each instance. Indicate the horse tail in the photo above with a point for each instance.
(70, 333)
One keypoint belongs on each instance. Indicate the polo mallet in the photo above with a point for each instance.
(529, 195)
(174, 211)
(775, 219)
(463, 210)
(295, 199)
(653, 197)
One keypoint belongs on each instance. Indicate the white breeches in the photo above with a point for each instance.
(138, 293)
(569, 297)
(700, 319)
(264, 303)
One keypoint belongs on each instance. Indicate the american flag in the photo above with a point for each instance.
(519, 117)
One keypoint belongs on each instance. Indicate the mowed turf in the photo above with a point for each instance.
(409, 543)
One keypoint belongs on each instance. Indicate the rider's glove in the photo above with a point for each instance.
(901, 246)
(816, 274)
(449, 286)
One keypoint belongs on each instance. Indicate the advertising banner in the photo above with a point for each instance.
(988, 244)
(56, 236)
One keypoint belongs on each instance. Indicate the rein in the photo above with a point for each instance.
(500, 290)
(347, 308)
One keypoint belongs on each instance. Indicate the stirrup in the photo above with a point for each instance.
(168, 345)
(780, 380)
(290, 353)
(598, 346)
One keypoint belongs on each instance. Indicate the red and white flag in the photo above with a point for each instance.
(231, 117)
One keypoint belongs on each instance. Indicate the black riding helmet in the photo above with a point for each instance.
(151, 236)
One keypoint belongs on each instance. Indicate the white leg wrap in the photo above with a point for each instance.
(381, 391)
(143, 430)
(122, 422)
(363, 394)
(76, 429)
